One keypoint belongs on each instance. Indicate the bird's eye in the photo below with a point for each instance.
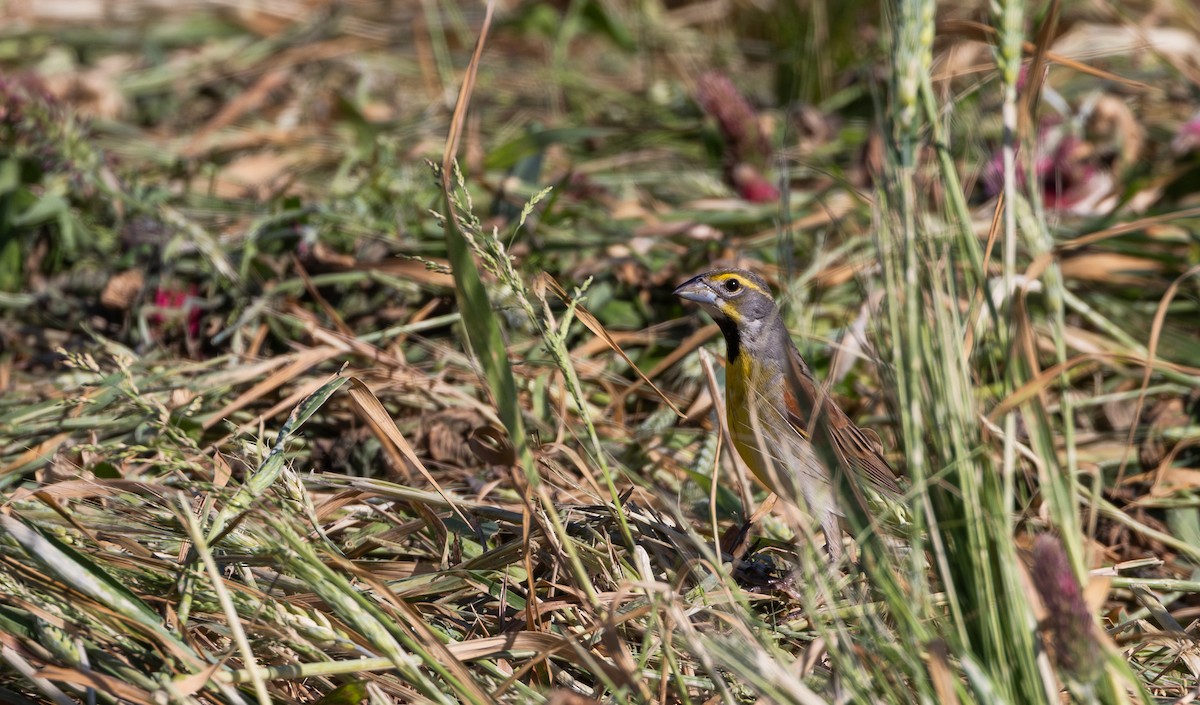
(732, 285)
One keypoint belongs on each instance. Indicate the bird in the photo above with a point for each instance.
(785, 426)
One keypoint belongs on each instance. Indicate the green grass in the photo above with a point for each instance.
(310, 391)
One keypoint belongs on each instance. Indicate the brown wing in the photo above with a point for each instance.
(815, 415)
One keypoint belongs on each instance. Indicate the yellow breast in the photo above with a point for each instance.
(781, 459)
(743, 407)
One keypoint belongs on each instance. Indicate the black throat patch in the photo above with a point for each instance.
(733, 341)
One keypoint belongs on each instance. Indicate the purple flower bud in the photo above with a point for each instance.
(1187, 138)
(736, 118)
(1069, 626)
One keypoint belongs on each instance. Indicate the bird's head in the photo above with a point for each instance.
(734, 295)
(741, 304)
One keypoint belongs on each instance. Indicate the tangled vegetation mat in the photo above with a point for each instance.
(339, 361)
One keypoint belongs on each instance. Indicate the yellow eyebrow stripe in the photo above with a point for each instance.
(744, 281)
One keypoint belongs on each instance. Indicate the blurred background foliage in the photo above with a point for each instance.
(209, 208)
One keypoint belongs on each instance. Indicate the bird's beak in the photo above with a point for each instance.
(698, 290)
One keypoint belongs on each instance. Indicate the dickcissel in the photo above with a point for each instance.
(790, 432)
